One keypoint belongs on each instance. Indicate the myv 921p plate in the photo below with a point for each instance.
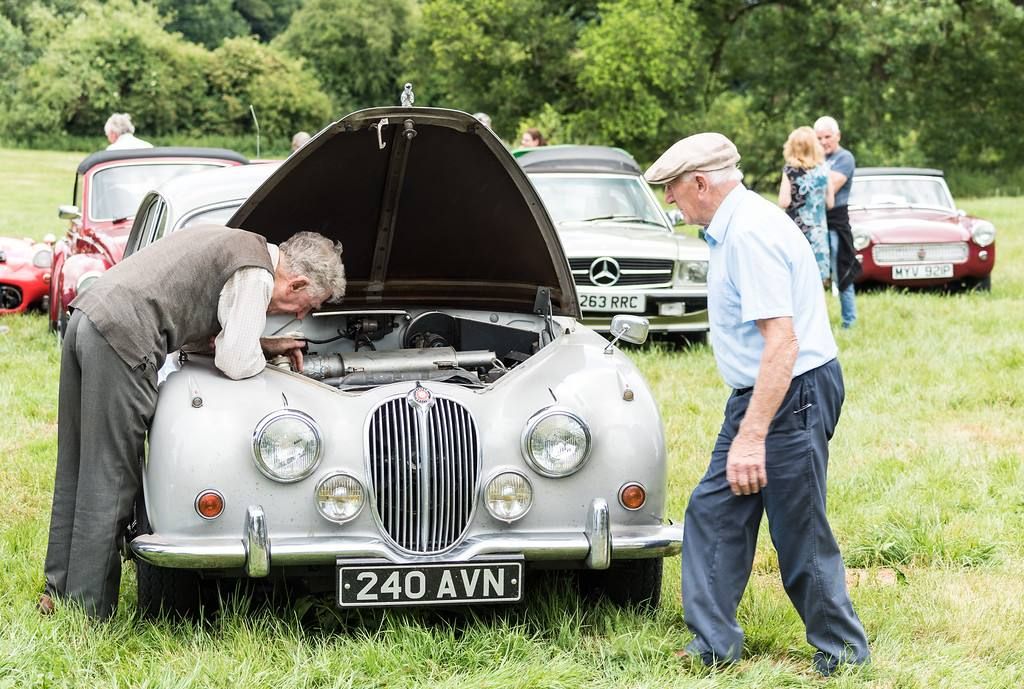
(364, 584)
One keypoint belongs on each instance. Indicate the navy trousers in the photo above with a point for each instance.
(720, 531)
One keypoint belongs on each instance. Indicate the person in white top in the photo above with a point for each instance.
(121, 133)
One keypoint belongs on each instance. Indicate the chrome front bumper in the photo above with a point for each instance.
(256, 551)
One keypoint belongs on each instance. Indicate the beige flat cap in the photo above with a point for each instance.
(706, 151)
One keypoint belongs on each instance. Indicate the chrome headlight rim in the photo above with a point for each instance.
(43, 257)
(276, 416)
(334, 474)
(861, 239)
(501, 471)
(531, 425)
(683, 268)
(86, 279)
(983, 233)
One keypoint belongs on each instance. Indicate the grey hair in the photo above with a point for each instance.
(317, 258)
(119, 123)
(827, 123)
(716, 177)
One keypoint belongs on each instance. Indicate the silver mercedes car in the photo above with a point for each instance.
(454, 426)
(624, 255)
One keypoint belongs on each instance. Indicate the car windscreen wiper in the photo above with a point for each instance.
(620, 218)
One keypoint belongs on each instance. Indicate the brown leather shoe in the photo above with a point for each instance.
(45, 605)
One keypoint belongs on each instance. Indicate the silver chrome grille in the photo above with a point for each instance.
(950, 252)
(424, 466)
(632, 272)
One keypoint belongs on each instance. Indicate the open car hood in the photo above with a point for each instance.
(430, 207)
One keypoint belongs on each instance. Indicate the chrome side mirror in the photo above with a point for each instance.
(68, 212)
(632, 329)
(674, 216)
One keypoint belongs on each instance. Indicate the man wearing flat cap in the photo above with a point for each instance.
(774, 347)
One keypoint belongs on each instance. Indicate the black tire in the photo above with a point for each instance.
(984, 284)
(177, 593)
(627, 583)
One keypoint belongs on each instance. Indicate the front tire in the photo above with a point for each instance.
(627, 583)
(177, 593)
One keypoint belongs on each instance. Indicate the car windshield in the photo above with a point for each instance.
(117, 191)
(579, 198)
(211, 216)
(900, 192)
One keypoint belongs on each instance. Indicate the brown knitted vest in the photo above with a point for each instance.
(166, 295)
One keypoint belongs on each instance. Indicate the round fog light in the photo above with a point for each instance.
(632, 496)
(508, 496)
(209, 504)
(339, 497)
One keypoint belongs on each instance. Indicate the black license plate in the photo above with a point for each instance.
(388, 585)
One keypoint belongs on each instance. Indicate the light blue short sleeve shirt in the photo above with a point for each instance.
(762, 267)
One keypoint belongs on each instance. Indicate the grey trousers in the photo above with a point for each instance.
(104, 410)
(720, 530)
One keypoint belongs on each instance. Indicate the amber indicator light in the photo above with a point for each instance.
(633, 496)
(209, 504)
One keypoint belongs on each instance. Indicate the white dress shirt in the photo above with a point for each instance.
(242, 312)
(128, 141)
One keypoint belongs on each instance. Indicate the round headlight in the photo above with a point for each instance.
(43, 257)
(983, 233)
(556, 442)
(693, 271)
(86, 281)
(286, 445)
(339, 497)
(508, 496)
(861, 239)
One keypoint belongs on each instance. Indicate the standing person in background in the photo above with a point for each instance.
(299, 140)
(845, 267)
(774, 347)
(805, 194)
(532, 138)
(121, 132)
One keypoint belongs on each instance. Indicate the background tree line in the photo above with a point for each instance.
(913, 82)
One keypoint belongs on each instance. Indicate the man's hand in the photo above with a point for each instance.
(744, 467)
(288, 346)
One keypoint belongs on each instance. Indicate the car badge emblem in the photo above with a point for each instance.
(604, 271)
(921, 253)
(421, 397)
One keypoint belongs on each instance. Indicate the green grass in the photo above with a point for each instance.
(926, 499)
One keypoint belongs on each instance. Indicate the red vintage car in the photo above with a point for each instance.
(24, 273)
(108, 188)
(908, 231)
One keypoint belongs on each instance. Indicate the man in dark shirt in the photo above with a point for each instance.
(845, 267)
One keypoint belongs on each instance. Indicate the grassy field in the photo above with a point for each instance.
(927, 501)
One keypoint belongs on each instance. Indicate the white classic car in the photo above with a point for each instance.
(624, 254)
(454, 425)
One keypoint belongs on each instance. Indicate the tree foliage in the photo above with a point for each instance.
(353, 46)
(286, 98)
(506, 57)
(919, 82)
(123, 60)
(207, 22)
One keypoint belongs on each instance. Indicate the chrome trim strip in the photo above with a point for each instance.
(628, 543)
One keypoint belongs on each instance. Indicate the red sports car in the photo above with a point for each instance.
(108, 188)
(908, 231)
(24, 273)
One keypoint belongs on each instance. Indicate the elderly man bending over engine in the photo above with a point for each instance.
(195, 284)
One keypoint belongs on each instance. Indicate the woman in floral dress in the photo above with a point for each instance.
(805, 193)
